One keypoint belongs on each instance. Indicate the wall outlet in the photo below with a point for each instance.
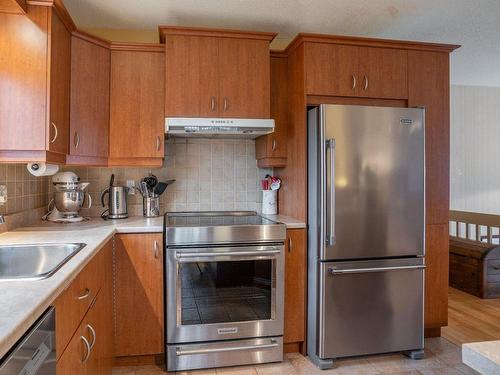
(131, 187)
(3, 194)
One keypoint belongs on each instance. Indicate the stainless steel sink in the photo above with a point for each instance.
(34, 262)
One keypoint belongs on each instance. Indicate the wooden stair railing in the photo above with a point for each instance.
(475, 226)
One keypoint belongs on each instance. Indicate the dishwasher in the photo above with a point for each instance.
(35, 352)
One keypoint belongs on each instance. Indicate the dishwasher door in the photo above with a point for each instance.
(35, 353)
(369, 307)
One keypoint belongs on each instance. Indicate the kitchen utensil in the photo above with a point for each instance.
(117, 202)
(112, 180)
(151, 181)
(144, 188)
(160, 188)
(151, 206)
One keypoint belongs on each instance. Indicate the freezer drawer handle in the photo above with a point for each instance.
(335, 271)
(228, 253)
(273, 344)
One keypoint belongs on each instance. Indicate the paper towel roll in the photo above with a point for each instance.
(42, 169)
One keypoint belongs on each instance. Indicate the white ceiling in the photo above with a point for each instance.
(475, 24)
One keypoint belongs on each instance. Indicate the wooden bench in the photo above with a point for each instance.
(475, 267)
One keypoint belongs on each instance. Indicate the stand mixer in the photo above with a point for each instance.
(69, 198)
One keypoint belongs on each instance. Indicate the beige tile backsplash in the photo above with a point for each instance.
(24, 191)
(209, 174)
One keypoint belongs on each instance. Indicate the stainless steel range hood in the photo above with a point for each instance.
(218, 127)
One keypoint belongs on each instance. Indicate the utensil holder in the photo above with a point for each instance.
(151, 206)
(270, 202)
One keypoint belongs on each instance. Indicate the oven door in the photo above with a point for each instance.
(223, 293)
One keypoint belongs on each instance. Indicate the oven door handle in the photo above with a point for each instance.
(228, 253)
(273, 344)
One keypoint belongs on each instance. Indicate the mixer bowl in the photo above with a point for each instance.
(70, 201)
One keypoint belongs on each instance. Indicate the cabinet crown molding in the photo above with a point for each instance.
(222, 33)
(368, 42)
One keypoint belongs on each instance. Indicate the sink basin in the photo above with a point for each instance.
(34, 262)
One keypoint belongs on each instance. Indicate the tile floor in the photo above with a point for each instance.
(442, 358)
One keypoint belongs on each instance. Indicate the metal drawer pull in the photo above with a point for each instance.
(273, 344)
(85, 294)
(366, 82)
(87, 346)
(226, 104)
(353, 82)
(275, 144)
(290, 244)
(55, 132)
(335, 271)
(158, 143)
(231, 253)
(155, 246)
(212, 103)
(76, 140)
(92, 331)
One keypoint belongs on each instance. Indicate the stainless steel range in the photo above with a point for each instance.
(223, 289)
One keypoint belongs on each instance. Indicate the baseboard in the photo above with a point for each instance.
(140, 360)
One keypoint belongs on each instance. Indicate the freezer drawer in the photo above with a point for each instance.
(369, 307)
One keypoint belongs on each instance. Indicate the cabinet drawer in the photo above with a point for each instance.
(74, 302)
(493, 267)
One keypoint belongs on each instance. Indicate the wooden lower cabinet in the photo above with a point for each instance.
(295, 287)
(95, 328)
(138, 294)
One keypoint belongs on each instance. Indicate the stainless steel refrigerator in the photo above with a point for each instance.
(366, 214)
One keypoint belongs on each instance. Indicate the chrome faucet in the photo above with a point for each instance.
(2, 220)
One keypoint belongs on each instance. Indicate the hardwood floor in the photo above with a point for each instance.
(471, 319)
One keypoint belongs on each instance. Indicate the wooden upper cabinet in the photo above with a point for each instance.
(382, 73)
(271, 149)
(89, 105)
(60, 73)
(137, 116)
(331, 69)
(138, 294)
(356, 71)
(13, 6)
(216, 73)
(429, 87)
(35, 84)
(244, 78)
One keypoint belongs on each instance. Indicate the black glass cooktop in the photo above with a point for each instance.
(204, 219)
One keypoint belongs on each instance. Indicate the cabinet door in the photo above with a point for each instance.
(382, 73)
(89, 109)
(137, 104)
(60, 71)
(244, 78)
(75, 358)
(429, 87)
(191, 76)
(138, 294)
(97, 328)
(331, 69)
(295, 285)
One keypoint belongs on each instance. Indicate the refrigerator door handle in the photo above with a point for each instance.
(330, 237)
(335, 271)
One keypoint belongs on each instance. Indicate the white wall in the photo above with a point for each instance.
(475, 149)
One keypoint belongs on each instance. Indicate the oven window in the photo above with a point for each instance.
(232, 291)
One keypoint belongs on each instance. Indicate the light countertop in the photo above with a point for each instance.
(22, 302)
(484, 357)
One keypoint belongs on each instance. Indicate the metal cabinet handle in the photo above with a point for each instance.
(55, 132)
(87, 346)
(155, 247)
(365, 78)
(273, 344)
(226, 104)
(158, 143)
(330, 237)
(85, 294)
(92, 331)
(228, 253)
(354, 82)
(335, 271)
(76, 140)
(275, 144)
(212, 103)
(290, 244)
